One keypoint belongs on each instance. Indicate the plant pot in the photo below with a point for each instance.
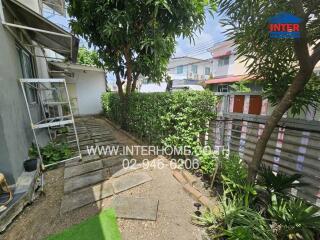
(30, 165)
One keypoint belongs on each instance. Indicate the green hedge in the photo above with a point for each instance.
(171, 119)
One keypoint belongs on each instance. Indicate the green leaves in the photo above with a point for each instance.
(208, 161)
(278, 182)
(137, 35)
(273, 62)
(296, 218)
(165, 118)
(235, 221)
(52, 152)
(87, 57)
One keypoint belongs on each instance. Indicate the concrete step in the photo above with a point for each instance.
(85, 180)
(70, 172)
(82, 197)
(86, 196)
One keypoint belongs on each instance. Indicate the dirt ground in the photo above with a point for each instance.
(43, 218)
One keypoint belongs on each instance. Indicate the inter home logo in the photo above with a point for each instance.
(284, 25)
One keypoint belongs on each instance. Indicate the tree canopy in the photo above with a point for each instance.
(273, 62)
(136, 37)
(283, 66)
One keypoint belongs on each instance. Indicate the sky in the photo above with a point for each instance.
(212, 33)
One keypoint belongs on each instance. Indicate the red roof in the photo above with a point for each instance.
(220, 54)
(228, 79)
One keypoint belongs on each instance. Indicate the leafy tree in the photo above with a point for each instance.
(87, 57)
(136, 37)
(284, 66)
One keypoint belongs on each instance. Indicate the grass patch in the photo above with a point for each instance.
(100, 227)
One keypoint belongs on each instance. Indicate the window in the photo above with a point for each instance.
(194, 69)
(207, 71)
(223, 88)
(179, 69)
(27, 72)
(223, 61)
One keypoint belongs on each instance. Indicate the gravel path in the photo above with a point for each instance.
(43, 217)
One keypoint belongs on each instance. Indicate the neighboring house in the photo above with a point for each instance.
(182, 71)
(85, 86)
(227, 70)
(189, 70)
(24, 36)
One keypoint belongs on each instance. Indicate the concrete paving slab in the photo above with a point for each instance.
(85, 159)
(86, 196)
(136, 208)
(114, 161)
(82, 169)
(108, 143)
(124, 171)
(75, 183)
(129, 181)
(104, 138)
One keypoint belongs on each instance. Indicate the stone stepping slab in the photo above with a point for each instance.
(81, 143)
(86, 196)
(84, 152)
(80, 136)
(92, 163)
(136, 208)
(85, 159)
(85, 180)
(124, 171)
(100, 132)
(79, 132)
(114, 161)
(103, 138)
(129, 181)
(106, 142)
(77, 170)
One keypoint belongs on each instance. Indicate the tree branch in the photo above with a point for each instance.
(315, 57)
(301, 44)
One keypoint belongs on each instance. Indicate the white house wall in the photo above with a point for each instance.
(187, 68)
(89, 87)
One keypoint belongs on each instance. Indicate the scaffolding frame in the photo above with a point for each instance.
(49, 122)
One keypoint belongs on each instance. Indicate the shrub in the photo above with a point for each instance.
(295, 218)
(52, 152)
(235, 221)
(208, 160)
(278, 183)
(233, 169)
(170, 119)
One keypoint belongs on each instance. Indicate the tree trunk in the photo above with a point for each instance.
(296, 87)
(134, 83)
(127, 55)
(119, 84)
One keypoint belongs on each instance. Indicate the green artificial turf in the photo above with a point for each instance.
(100, 227)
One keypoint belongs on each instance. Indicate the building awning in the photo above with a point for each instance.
(42, 30)
(228, 79)
(72, 66)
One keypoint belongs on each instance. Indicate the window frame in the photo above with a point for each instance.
(223, 88)
(223, 61)
(27, 61)
(205, 71)
(194, 69)
(180, 69)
